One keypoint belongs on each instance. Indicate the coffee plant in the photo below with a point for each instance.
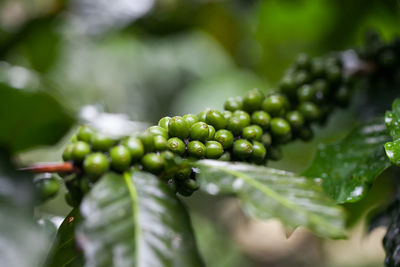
(127, 191)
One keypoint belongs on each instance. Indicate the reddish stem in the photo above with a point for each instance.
(50, 167)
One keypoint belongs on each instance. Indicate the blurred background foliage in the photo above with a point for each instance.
(151, 58)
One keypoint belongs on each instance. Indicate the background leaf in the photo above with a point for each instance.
(136, 220)
(267, 193)
(392, 120)
(349, 167)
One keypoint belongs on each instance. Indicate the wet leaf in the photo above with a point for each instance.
(349, 167)
(135, 220)
(392, 120)
(269, 193)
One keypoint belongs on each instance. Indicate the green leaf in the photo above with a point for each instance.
(349, 167)
(30, 118)
(64, 251)
(136, 220)
(267, 193)
(392, 120)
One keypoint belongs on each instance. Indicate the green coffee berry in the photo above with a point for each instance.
(253, 100)
(74, 138)
(238, 121)
(191, 184)
(47, 188)
(211, 132)
(321, 90)
(306, 93)
(242, 149)
(160, 143)
(164, 122)
(224, 137)
(333, 73)
(84, 134)
(135, 147)
(101, 142)
(183, 173)
(147, 139)
(295, 119)
(275, 105)
(153, 163)
(176, 145)
(225, 157)
(191, 119)
(301, 77)
(259, 152)
(303, 61)
(120, 158)
(178, 127)
(261, 118)
(67, 154)
(72, 201)
(202, 115)
(80, 150)
(280, 127)
(85, 185)
(214, 150)
(233, 104)
(227, 114)
(310, 111)
(317, 67)
(196, 149)
(216, 119)
(266, 139)
(96, 164)
(252, 132)
(199, 131)
(288, 85)
(158, 130)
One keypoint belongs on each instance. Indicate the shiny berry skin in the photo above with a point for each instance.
(196, 149)
(47, 188)
(259, 152)
(238, 121)
(211, 132)
(295, 119)
(224, 137)
(84, 134)
(303, 61)
(310, 111)
(160, 143)
(96, 164)
(80, 150)
(158, 130)
(275, 105)
(135, 147)
(306, 93)
(183, 173)
(153, 163)
(301, 77)
(101, 142)
(253, 100)
(176, 145)
(199, 131)
(252, 132)
(214, 150)
(280, 127)
(178, 127)
(67, 154)
(242, 149)
(225, 157)
(261, 118)
(288, 85)
(202, 115)
(216, 119)
(191, 184)
(164, 122)
(233, 104)
(191, 119)
(227, 114)
(147, 139)
(266, 139)
(74, 138)
(120, 158)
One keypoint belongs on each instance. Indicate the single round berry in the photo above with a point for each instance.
(147, 139)
(74, 138)
(333, 73)
(168, 157)
(225, 138)
(301, 77)
(158, 130)
(164, 122)
(135, 147)
(178, 127)
(310, 111)
(84, 134)
(176, 145)
(120, 158)
(85, 185)
(242, 149)
(153, 163)
(275, 105)
(238, 121)
(47, 188)
(191, 184)
(199, 131)
(252, 132)
(160, 143)
(261, 118)
(306, 93)
(259, 152)
(295, 119)
(80, 150)
(266, 139)
(280, 127)
(227, 114)
(233, 104)
(211, 132)
(196, 149)
(303, 61)
(321, 90)
(67, 154)
(202, 115)
(216, 119)
(317, 67)
(191, 119)
(96, 164)
(101, 142)
(183, 173)
(225, 157)
(253, 100)
(288, 85)
(214, 150)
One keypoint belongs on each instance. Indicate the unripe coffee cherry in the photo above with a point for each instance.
(120, 158)
(288, 85)
(310, 111)
(216, 119)
(295, 119)
(280, 127)
(252, 132)
(306, 93)
(301, 77)
(135, 147)
(303, 61)
(211, 132)
(199, 131)
(259, 152)
(321, 90)
(266, 139)
(317, 67)
(190, 119)
(238, 121)
(164, 122)
(67, 154)
(158, 130)
(160, 143)
(147, 140)
(275, 105)
(233, 104)
(202, 115)
(225, 138)
(96, 164)
(261, 118)
(214, 150)
(46, 188)
(176, 145)
(153, 163)
(225, 157)
(178, 127)
(333, 73)
(101, 142)
(84, 134)
(191, 184)
(227, 114)
(183, 173)
(253, 100)
(242, 149)
(196, 149)
(80, 150)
